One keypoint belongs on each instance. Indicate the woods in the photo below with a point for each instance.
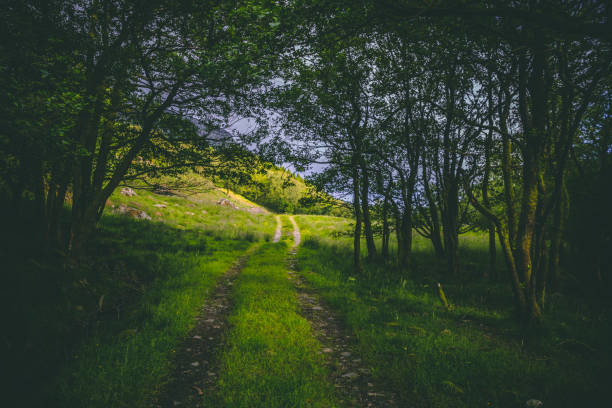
(436, 116)
(425, 145)
(460, 120)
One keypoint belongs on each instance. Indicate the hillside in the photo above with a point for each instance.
(111, 320)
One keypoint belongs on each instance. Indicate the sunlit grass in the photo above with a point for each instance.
(137, 291)
(271, 358)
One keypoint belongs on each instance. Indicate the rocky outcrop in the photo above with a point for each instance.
(132, 212)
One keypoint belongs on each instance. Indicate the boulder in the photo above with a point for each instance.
(132, 212)
(227, 203)
(126, 191)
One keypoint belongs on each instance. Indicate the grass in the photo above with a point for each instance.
(271, 358)
(104, 329)
(124, 359)
(473, 356)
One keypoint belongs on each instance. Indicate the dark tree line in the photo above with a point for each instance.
(431, 118)
(452, 118)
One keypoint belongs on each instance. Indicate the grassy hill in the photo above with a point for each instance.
(104, 331)
(111, 321)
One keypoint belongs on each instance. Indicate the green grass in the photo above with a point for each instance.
(101, 332)
(475, 355)
(123, 360)
(200, 210)
(271, 358)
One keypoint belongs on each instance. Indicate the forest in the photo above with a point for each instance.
(429, 180)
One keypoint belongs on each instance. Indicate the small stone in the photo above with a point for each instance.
(533, 403)
(345, 354)
(160, 205)
(351, 375)
(327, 350)
(317, 308)
(195, 364)
(126, 191)
(196, 337)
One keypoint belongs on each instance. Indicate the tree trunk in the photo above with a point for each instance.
(406, 233)
(436, 233)
(385, 229)
(358, 268)
(367, 220)
(485, 184)
(451, 229)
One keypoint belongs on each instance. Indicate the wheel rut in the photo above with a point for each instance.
(279, 229)
(195, 370)
(350, 375)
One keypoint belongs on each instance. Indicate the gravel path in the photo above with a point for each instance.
(297, 237)
(279, 228)
(195, 365)
(350, 375)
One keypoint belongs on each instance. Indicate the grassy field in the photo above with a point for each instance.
(472, 356)
(271, 359)
(104, 329)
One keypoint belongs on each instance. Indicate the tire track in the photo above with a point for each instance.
(350, 376)
(279, 229)
(195, 370)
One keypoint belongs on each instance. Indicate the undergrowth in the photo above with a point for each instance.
(475, 355)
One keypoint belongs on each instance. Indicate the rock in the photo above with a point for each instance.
(158, 214)
(327, 350)
(227, 203)
(345, 354)
(126, 191)
(533, 403)
(204, 212)
(132, 212)
(189, 213)
(160, 205)
(195, 364)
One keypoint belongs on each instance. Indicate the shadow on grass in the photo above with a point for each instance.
(53, 304)
(475, 355)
